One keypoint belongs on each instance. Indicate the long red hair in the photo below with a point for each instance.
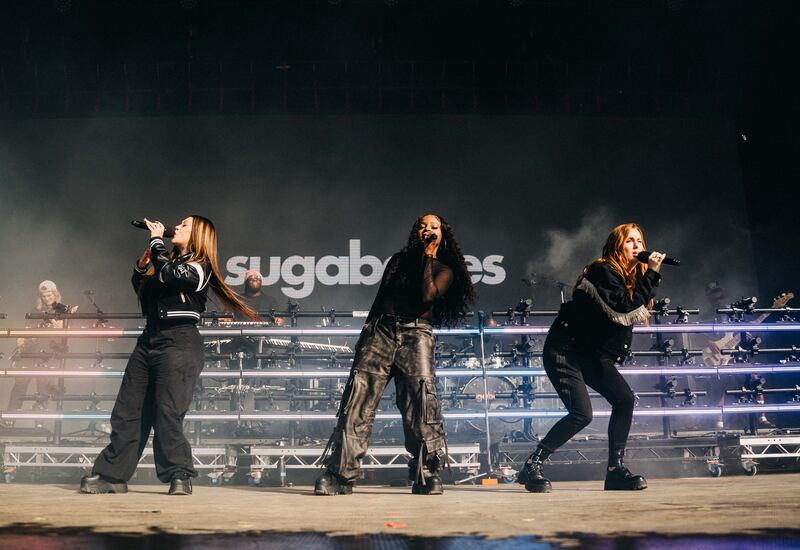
(614, 255)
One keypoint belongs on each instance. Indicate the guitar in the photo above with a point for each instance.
(712, 354)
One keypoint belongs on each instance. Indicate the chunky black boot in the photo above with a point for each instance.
(531, 473)
(432, 486)
(180, 485)
(96, 484)
(329, 484)
(618, 477)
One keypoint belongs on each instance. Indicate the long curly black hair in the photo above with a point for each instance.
(461, 294)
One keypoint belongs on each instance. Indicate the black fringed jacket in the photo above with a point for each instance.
(601, 314)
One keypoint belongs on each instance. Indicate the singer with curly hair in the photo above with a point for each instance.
(426, 283)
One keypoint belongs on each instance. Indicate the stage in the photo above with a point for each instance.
(759, 508)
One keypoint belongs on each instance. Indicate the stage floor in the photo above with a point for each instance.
(764, 505)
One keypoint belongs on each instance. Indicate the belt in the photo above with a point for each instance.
(403, 320)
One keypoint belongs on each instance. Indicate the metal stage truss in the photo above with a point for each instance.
(777, 452)
(220, 463)
(703, 450)
(484, 390)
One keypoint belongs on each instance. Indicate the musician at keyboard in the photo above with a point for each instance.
(256, 298)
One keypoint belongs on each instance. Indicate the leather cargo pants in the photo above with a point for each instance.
(399, 348)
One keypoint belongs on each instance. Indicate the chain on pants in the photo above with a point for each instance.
(390, 348)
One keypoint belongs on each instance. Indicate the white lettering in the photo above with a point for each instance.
(494, 273)
(305, 279)
(342, 271)
(474, 268)
(274, 274)
(236, 266)
(255, 264)
(357, 277)
(301, 273)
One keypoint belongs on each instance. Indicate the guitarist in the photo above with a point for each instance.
(712, 352)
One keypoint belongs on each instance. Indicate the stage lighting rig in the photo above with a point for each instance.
(741, 307)
(521, 311)
(668, 386)
(664, 347)
(661, 310)
(793, 357)
(747, 348)
(661, 307)
(689, 397)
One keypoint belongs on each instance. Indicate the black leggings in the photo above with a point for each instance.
(570, 370)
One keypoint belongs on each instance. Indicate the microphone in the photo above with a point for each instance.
(644, 256)
(168, 231)
(429, 237)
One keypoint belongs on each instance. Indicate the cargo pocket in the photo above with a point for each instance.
(431, 406)
(362, 426)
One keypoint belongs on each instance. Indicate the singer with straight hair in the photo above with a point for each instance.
(591, 335)
(158, 385)
(426, 283)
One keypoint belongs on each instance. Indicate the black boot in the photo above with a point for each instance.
(329, 484)
(96, 484)
(618, 477)
(531, 473)
(432, 486)
(180, 485)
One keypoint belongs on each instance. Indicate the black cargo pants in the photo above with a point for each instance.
(156, 391)
(399, 348)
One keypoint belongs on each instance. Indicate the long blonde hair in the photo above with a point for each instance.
(40, 304)
(204, 246)
(614, 255)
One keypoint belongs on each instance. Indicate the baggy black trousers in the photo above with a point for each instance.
(156, 393)
(570, 370)
(399, 348)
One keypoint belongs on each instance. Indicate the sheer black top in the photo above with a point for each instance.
(412, 283)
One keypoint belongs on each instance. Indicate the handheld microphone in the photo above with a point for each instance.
(644, 256)
(168, 231)
(429, 237)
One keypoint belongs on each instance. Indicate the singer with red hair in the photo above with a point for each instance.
(591, 335)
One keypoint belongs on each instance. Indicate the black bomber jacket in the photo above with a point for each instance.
(177, 292)
(601, 314)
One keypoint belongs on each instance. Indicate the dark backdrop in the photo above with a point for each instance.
(540, 191)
